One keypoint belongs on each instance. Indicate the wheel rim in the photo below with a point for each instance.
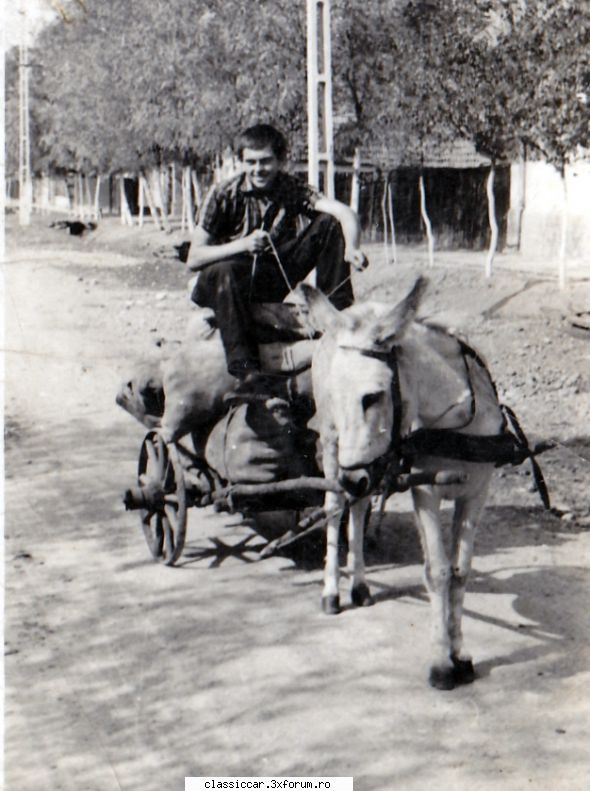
(164, 522)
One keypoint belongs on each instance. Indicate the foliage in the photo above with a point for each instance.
(11, 112)
(122, 84)
(503, 73)
(130, 82)
(553, 39)
(363, 70)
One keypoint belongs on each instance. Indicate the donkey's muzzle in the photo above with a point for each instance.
(356, 482)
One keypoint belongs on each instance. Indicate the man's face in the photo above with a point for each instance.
(261, 166)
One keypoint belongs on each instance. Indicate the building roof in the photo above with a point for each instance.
(460, 154)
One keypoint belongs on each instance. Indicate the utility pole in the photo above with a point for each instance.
(25, 184)
(320, 125)
(2, 180)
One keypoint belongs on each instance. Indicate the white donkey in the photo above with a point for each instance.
(378, 376)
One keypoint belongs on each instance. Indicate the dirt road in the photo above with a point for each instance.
(122, 674)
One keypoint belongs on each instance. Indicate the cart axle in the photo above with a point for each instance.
(147, 497)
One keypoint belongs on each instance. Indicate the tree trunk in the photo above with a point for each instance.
(385, 222)
(372, 208)
(77, 196)
(173, 202)
(162, 190)
(88, 202)
(183, 199)
(391, 221)
(44, 197)
(150, 199)
(217, 169)
(492, 220)
(522, 199)
(97, 198)
(126, 218)
(426, 220)
(188, 206)
(355, 188)
(140, 200)
(159, 200)
(70, 183)
(197, 189)
(564, 229)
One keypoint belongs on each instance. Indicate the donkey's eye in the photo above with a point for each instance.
(371, 399)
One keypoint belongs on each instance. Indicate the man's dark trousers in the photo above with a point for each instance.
(230, 285)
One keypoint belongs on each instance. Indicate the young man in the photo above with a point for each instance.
(242, 220)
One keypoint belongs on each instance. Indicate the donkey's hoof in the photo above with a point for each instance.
(331, 605)
(360, 595)
(442, 677)
(463, 670)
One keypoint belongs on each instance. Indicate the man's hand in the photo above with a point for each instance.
(257, 241)
(357, 259)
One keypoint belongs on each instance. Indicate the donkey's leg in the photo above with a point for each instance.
(465, 521)
(359, 590)
(437, 574)
(333, 504)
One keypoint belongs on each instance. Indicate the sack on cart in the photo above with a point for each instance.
(260, 442)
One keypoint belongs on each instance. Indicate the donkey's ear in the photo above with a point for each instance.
(316, 308)
(392, 327)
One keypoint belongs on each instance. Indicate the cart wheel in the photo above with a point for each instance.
(160, 475)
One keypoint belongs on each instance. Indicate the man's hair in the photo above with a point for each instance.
(260, 136)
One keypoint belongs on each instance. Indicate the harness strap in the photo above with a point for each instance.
(389, 357)
(536, 469)
(396, 396)
(497, 448)
(510, 446)
(469, 351)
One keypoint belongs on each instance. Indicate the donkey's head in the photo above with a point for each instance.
(353, 379)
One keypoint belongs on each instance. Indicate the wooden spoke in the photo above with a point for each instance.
(152, 457)
(168, 538)
(168, 477)
(159, 535)
(152, 528)
(161, 476)
(162, 456)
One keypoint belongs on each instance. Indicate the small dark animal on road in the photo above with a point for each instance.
(75, 227)
(182, 251)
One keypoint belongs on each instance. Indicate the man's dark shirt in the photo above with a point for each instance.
(232, 209)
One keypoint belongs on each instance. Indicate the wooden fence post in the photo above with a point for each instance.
(492, 221)
(355, 187)
(426, 219)
(391, 221)
(126, 216)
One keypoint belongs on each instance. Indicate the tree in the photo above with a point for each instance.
(555, 37)
(499, 73)
(11, 112)
(450, 60)
(132, 84)
(177, 83)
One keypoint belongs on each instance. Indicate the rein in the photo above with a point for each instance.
(266, 223)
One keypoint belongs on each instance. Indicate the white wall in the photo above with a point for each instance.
(541, 187)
